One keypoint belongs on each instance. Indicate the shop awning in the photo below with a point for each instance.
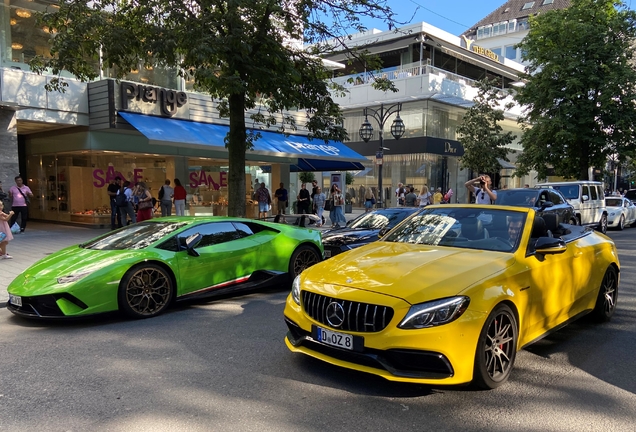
(311, 155)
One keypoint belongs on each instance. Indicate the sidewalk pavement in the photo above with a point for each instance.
(41, 239)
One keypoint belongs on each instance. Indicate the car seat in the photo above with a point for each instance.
(473, 229)
(539, 228)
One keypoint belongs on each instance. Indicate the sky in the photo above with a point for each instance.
(453, 16)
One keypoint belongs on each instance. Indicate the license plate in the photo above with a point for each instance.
(327, 253)
(15, 300)
(340, 340)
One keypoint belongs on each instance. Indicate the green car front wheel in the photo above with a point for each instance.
(145, 291)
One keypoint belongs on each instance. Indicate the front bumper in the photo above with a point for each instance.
(437, 355)
(51, 306)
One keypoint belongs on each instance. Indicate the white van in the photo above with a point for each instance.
(588, 200)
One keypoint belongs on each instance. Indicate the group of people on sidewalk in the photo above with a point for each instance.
(406, 196)
(136, 204)
(19, 196)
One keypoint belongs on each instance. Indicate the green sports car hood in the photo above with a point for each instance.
(74, 260)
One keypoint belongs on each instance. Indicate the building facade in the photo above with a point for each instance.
(434, 73)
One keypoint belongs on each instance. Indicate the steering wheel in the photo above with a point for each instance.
(505, 241)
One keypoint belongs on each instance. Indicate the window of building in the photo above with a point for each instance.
(487, 31)
(480, 33)
(511, 52)
(547, 2)
(523, 24)
(512, 26)
(496, 51)
(528, 5)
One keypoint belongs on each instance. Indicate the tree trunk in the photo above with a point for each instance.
(237, 147)
(584, 161)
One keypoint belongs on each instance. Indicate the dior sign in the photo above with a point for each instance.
(169, 100)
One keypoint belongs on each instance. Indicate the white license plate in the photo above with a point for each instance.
(327, 253)
(15, 300)
(340, 340)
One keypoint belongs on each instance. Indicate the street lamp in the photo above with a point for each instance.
(366, 132)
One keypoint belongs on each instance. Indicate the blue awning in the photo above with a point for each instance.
(312, 155)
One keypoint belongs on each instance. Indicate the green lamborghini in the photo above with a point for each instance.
(142, 268)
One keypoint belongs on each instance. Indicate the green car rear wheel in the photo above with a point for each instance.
(302, 258)
(145, 291)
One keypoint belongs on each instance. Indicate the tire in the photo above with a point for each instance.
(607, 296)
(303, 257)
(621, 223)
(602, 225)
(496, 348)
(145, 291)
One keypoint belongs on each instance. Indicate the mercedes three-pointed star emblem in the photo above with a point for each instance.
(335, 314)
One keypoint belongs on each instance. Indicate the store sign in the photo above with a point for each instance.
(312, 148)
(480, 50)
(169, 100)
(213, 180)
(101, 178)
(449, 148)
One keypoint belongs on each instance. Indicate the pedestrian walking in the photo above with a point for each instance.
(410, 199)
(319, 204)
(304, 199)
(166, 193)
(281, 199)
(264, 201)
(20, 195)
(437, 196)
(179, 198)
(115, 217)
(337, 208)
(5, 232)
(424, 198)
(144, 202)
(369, 199)
(125, 204)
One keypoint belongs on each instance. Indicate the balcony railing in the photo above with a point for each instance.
(400, 72)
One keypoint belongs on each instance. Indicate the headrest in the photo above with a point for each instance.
(551, 221)
(538, 228)
(472, 229)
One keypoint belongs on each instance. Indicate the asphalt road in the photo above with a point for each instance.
(223, 366)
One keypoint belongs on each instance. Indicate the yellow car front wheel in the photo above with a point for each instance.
(496, 348)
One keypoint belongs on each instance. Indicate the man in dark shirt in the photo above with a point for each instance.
(113, 188)
(281, 196)
(314, 191)
(303, 200)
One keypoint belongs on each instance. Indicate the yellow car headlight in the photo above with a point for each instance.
(434, 313)
(296, 290)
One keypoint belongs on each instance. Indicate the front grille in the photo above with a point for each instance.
(38, 306)
(358, 317)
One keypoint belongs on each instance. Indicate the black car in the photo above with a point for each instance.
(543, 200)
(363, 229)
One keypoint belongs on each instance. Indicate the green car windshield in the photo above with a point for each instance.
(478, 228)
(135, 236)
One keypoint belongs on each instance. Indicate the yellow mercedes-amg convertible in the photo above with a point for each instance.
(451, 294)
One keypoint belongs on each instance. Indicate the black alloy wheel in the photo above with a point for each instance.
(145, 291)
(303, 257)
(602, 226)
(607, 296)
(496, 348)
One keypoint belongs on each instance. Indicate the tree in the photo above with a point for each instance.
(306, 177)
(579, 94)
(243, 52)
(481, 135)
(349, 178)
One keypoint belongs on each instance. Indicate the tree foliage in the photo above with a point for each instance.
(579, 91)
(244, 53)
(306, 177)
(481, 134)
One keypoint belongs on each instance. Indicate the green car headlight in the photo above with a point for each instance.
(434, 313)
(296, 290)
(73, 278)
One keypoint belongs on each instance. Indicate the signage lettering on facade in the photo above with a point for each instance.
(169, 100)
(479, 50)
(324, 148)
(214, 180)
(101, 178)
(449, 148)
